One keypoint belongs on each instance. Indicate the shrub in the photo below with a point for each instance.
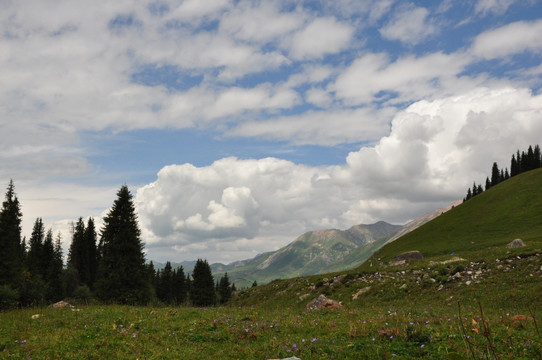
(9, 298)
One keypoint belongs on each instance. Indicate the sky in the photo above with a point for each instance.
(239, 125)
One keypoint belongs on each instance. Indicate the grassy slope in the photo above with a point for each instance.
(505, 212)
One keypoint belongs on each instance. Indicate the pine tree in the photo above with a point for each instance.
(90, 253)
(537, 157)
(35, 251)
(76, 255)
(122, 275)
(179, 286)
(514, 166)
(202, 289)
(11, 249)
(165, 285)
(224, 289)
(488, 184)
(495, 174)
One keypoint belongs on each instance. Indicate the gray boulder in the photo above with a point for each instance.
(406, 257)
(517, 243)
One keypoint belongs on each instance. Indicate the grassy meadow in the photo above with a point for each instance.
(470, 298)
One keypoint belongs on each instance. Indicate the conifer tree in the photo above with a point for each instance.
(488, 184)
(76, 255)
(164, 290)
(11, 249)
(179, 286)
(35, 251)
(224, 289)
(202, 289)
(514, 166)
(495, 174)
(90, 253)
(122, 275)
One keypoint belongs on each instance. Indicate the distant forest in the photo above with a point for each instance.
(520, 163)
(109, 268)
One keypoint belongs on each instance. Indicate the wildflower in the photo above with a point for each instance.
(313, 340)
(134, 335)
(422, 346)
(302, 340)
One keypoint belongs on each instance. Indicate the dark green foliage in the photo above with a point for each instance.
(83, 256)
(9, 297)
(180, 288)
(202, 289)
(495, 175)
(122, 274)
(10, 239)
(224, 289)
(34, 259)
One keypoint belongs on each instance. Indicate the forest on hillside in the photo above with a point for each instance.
(520, 163)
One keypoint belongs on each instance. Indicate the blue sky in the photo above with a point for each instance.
(239, 125)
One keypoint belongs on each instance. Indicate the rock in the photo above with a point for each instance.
(517, 243)
(406, 257)
(61, 304)
(322, 302)
(304, 296)
(403, 287)
(468, 282)
(360, 292)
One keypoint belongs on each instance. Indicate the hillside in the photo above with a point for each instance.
(466, 259)
(314, 252)
(492, 219)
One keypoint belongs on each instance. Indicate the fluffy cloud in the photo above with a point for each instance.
(510, 39)
(433, 153)
(373, 77)
(322, 36)
(409, 24)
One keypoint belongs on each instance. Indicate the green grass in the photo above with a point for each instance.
(481, 226)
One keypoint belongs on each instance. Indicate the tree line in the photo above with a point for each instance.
(520, 163)
(109, 267)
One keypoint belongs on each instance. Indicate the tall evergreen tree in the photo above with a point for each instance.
(514, 166)
(224, 289)
(179, 286)
(165, 284)
(537, 157)
(11, 250)
(35, 250)
(122, 274)
(202, 289)
(91, 253)
(76, 255)
(488, 184)
(495, 174)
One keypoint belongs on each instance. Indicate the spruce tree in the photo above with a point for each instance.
(179, 286)
(11, 249)
(122, 274)
(35, 250)
(495, 174)
(224, 289)
(76, 255)
(91, 253)
(202, 289)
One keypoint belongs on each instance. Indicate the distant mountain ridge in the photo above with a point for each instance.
(319, 251)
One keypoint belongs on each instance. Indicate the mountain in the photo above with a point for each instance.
(314, 252)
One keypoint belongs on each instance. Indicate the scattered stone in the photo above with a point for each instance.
(337, 280)
(322, 302)
(403, 287)
(360, 292)
(517, 243)
(304, 296)
(61, 304)
(36, 316)
(468, 283)
(440, 287)
(406, 257)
